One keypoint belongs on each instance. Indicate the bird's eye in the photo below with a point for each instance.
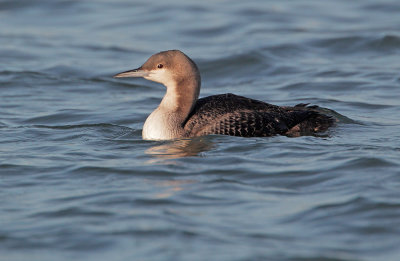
(160, 66)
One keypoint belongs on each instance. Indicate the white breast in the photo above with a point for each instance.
(161, 126)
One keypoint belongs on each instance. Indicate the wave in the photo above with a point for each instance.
(350, 44)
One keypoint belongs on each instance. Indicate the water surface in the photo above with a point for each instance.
(77, 180)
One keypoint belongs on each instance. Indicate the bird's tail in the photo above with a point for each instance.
(316, 121)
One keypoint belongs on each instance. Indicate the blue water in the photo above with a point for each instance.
(78, 182)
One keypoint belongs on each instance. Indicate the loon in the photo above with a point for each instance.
(182, 115)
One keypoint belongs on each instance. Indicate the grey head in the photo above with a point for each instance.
(172, 68)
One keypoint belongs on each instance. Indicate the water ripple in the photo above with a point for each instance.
(348, 44)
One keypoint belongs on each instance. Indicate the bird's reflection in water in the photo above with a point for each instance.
(170, 188)
(178, 149)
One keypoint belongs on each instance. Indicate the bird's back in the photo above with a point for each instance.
(229, 114)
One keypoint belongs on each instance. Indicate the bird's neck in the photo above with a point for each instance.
(180, 98)
(166, 122)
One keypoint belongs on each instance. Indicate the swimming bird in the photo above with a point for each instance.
(181, 114)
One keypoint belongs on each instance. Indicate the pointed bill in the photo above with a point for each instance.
(139, 72)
